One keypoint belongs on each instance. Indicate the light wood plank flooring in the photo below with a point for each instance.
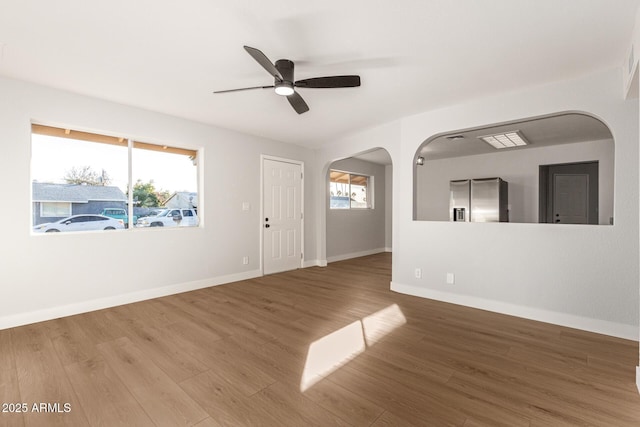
(241, 354)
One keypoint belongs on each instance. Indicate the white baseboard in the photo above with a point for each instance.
(638, 378)
(314, 263)
(100, 303)
(356, 254)
(388, 249)
(605, 327)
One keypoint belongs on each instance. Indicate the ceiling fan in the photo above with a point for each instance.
(284, 84)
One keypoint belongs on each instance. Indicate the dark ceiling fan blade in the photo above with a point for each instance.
(244, 88)
(329, 82)
(262, 59)
(298, 103)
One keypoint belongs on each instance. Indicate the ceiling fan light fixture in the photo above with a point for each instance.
(284, 82)
(284, 89)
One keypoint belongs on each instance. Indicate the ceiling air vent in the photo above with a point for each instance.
(505, 140)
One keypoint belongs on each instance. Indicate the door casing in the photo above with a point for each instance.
(263, 158)
(546, 192)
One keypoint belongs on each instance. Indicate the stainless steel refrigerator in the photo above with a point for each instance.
(479, 200)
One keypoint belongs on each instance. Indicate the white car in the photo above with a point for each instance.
(170, 218)
(80, 223)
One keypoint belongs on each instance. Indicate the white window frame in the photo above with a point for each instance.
(369, 195)
(130, 144)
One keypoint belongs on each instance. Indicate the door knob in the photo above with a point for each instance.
(267, 226)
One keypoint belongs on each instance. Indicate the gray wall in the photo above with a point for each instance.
(388, 209)
(356, 232)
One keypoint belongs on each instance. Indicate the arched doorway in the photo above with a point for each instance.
(358, 205)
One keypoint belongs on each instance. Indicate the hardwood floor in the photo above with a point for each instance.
(313, 347)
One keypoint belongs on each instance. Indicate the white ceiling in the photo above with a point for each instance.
(380, 156)
(412, 55)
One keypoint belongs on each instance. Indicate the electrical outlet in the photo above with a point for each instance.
(451, 278)
(418, 273)
(245, 260)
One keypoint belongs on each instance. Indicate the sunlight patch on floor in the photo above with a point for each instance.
(331, 352)
(379, 324)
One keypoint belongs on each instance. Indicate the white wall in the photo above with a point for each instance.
(579, 276)
(520, 169)
(48, 276)
(356, 232)
(630, 89)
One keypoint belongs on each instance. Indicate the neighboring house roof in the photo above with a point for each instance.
(182, 199)
(73, 193)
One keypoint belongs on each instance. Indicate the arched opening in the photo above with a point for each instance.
(358, 205)
(552, 169)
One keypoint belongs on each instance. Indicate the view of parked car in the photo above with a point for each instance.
(119, 213)
(81, 223)
(170, 218)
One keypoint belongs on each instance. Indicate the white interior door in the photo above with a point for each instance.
(282, 222)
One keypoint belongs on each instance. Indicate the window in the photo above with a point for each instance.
(76, 172)
(349, 191)
(55, 209)
(86, 218)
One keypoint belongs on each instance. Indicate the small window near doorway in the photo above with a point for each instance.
(349, 190)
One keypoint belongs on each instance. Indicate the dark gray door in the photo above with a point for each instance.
(571, 198)
(571, 193)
